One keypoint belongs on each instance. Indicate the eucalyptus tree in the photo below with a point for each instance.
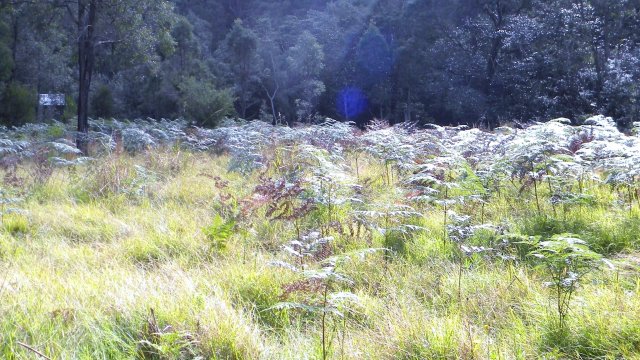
(306, 61)
(239, 53)
(273, 76)
(33, 58)
(290, 73)
(130, 28)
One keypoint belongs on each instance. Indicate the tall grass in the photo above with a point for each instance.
(113, 259)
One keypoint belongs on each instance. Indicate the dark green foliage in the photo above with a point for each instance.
(219, 232)
(6, 60)
(102, 102)
(6, 63)
(606, 236)
(476, 62)
(203, 103)
(71, 110)
(18, 104)
(374, 56)
(239, 52)
(186, 46)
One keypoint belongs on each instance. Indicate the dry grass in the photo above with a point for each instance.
(98, 249)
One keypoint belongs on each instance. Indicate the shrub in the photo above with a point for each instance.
(71, 110)
(219, 232)
(566, 260)
(19, 104)
(203, 103)
(102, 102)
(55, 131)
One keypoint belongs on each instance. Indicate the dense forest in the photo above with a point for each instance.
(476, 62)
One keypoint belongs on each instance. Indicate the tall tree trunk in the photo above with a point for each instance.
(497, 18)
(272, 98)
(243, 102)
(243, 106)
(14, 47)
(492, 62)
(273, 109)
(86, 60)
(407, 109)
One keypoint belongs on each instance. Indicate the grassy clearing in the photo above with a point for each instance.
(123, 258)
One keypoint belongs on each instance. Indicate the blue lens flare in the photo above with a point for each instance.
(351, 102)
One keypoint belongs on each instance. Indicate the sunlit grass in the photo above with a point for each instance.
(121, 272)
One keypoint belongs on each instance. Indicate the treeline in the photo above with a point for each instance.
(479, 62)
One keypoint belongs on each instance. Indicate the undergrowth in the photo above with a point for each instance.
(322, 242)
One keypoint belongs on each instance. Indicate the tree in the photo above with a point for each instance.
(446, 61)
(186, 45)
(132, 26)
(239, 53)
(291, 68)
(566, 260)
(274, 69)
(306, 61)
(375, 60)
(6, 60)
(6, 64)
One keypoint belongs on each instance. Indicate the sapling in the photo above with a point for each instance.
(529, 162)
(393, 146)
(390, 220)
(329, 183)
(309, 246)
(511, 248)
(626, 184)
(564, 174)
(434, 182)
(323, 281)
(226, 200)
(460, 231)
(565, 260)
(328, 298)
(486, 181)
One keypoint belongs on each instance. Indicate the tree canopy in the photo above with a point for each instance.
(479, 62)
